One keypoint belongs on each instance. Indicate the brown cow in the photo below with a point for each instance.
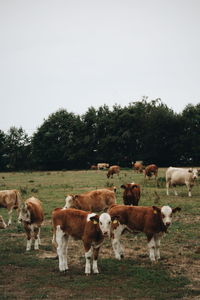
(113, 170)
(32, 216)
(2, 223)
(153, 221)
(151, 170)
(131, 194)
(94, 201)
(10, 199)
(102, 166)
(138, 167)
(81, 225)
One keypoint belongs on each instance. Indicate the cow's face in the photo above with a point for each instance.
(24, 215)
(69, 201)
(2, 223)
(105, 224)
(195, 173)
(166, 214)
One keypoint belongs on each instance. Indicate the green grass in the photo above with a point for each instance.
(28, 276)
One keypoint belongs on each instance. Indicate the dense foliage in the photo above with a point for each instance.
(147, 131)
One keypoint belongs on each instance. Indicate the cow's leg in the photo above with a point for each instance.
(95, 258)
(88, 257)
(61, 241)
(29, 238)
(167, 187)
(157, 238)
(151, 246)
(117, 248)
(10, 215)
(175, 192)
(189, 188)
(36, 237)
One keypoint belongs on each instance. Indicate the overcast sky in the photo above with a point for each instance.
(74, 54)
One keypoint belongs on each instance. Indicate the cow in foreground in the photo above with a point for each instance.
(151, 170)
(180, 176)
(31, 216)
(2, 223)
(81, 225)
(10, 199)
(152, 221)
(113, 170)
(95, 201)
(131, 194)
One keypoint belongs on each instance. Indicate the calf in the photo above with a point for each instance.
(10, 199)
(113, 170)
(151, 170)
(81, 225)
(2, 223)
(131, 194)
(153, 221)
(95, 201)
(32, 216)
(179, 176)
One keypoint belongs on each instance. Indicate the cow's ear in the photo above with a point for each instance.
(115, 219)
(94, 219)
(134, 186)
(176, 209)
(156, 210)
(123, 186)
(190, 170)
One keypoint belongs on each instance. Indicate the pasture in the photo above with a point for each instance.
(35, 274)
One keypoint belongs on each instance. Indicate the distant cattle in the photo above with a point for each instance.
(138, 167)
(151, 170)
(113, 170)
(80, 225)
(180, 176)
(102, 166)
(10, 199)
(31, 216)
(131, 194)
(93, 167)
(153, 221)
(2, 223)
(95, 201)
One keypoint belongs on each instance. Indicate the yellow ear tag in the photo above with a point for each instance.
(95, 222)
(155, 212)
(115, 222)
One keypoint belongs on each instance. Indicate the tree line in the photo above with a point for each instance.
(147, 131)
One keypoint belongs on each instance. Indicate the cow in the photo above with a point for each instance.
(138, 167)
(151, 170)
(10, 199)
(95, 201)
(81, 225)
(102, 166)
(131, 194)
(152, 221)
(2, 223)
(113, 170)
(180, 176)
(31, 216)
(93, 167)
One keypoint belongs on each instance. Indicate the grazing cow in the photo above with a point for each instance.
(113, 170)
(151, 170)
(93, 167)
(32, 216)
(138, 167)
(153, 221)
(94, 201)
(179, 176)
(2, 223)
(131, 194)
(81, 225)
(10, 199)
(102, 166)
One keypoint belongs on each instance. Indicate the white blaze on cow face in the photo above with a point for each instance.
(105, 224)
(68, 201)
(24, 215)
(166, 213)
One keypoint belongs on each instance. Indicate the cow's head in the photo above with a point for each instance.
(2, 223)
(166, 213)
(24, 214)
(104, 221)
(194, 173)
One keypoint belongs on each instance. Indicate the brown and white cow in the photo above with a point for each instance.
(95, 201)
(81, 225)
(131, 194)
(102, 166)
(113, 170)
(31, 216)
(138, 167)
(10, 199)
(153, 221)
(2, 223)
(151, 170)
(180, 176)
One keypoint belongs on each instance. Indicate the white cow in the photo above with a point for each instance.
(180, 176)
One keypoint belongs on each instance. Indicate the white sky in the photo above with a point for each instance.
(74, 54)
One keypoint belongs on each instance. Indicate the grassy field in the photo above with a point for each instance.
(35, 275)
